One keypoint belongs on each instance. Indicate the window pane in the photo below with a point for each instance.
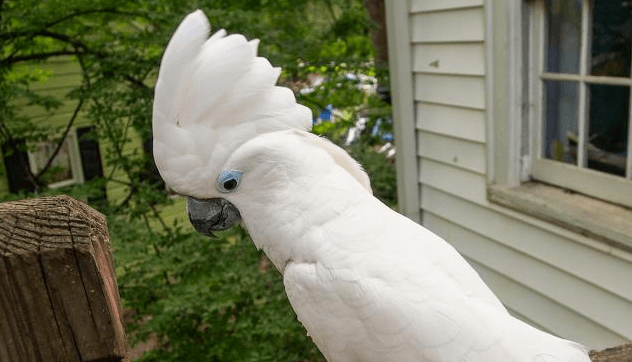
(564, 19)
(611, 35)
(608, 132)
(560, 121)
(61, 167)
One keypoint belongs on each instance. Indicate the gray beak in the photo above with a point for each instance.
(210, 215)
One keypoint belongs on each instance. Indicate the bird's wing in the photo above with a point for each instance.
(358, 318)
(389, 291)
(406, 296)
(212, 95)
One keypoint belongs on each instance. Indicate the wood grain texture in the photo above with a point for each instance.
(59, 299)
(622, 353)
(583, 214)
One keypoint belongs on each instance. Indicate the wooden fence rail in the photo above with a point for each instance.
(58, 295)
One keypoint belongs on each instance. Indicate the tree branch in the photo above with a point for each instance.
(30, 32)
(91, 11)
(77, 44)
(66, 39)
(61, 141)
(5, 132)
(135, 82)
(37, 56)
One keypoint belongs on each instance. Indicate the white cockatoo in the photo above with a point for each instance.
(368, 284)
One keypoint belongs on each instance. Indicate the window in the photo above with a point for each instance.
(65, 168)
(580, 56)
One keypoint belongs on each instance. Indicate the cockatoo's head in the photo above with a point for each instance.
(263, 181)
(212, 95)
(222, 127)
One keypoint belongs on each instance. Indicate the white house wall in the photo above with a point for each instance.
(556, 280)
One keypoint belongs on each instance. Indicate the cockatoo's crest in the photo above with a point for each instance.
(212, 95)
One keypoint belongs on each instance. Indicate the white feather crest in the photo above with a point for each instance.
(212, 95)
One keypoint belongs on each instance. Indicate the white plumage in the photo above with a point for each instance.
(212, 95)
(368, 284)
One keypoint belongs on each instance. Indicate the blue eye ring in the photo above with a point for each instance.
(228, 181)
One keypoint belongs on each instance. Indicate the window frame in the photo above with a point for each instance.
(75, 161)
(511, 108)
(608, 187)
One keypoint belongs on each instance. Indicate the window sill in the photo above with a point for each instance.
(585, 215)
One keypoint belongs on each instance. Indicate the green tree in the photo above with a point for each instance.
(214, 300)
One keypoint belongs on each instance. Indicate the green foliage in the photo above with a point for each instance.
(211, 299)
(203, 299)
(381, 171)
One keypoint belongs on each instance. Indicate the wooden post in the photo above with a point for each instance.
(58, 295)
(622, 353)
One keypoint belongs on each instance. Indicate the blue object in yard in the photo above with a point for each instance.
(376, 131)
(326, 114)
(376, 128)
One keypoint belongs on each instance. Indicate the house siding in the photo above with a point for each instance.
(64, 74)
(558, 281)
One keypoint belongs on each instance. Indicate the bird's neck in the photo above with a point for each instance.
(295, 221)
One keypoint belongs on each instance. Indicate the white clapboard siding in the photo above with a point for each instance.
(452, 151)
(543, 312)
(546, 275)
(465, 123)
(469, 185)
(595, 266)
(548, 280)
(440, 5)
(449, 26)
(463, 91)
(450, 58)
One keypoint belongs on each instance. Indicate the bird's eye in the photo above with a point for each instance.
(228, 181)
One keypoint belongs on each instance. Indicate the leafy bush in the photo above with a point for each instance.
(208, 299)
(381, 171)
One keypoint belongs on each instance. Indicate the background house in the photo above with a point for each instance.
(512, 127)
(79, 158)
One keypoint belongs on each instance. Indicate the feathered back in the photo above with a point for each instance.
(212, 95)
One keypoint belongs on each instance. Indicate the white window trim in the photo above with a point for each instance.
(598, 184)
(510, 166)
(398, 31)
(75, 162)
(581, 214)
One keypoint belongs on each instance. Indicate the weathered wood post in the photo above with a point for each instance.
(622, 353)
(58, 295)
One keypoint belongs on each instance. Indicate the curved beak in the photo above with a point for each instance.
(208, 215)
